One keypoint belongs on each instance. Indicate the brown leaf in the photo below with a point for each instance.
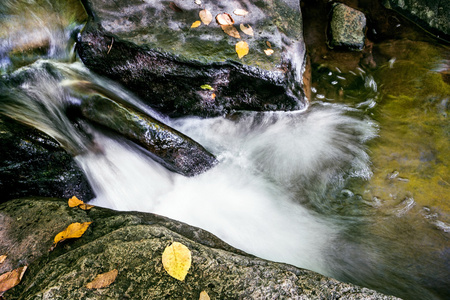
(247, 30)
(268, 44)
(241, 49)
(240, 12)
(196, 24)
(74, 230)
(268, 52)
(231, 31)
(176, 260)
(85, 206)
(224, 19)
(2, 258)
(205, 16)
(11, 279)
(175, 7)
(103, 280)
(74, 201)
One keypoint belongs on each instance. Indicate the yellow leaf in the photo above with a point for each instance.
(204, 296)
(241, 49)
(205, 16)
(74, 201)
(176, 260)
(196, 24)
(74, 230)
(247, 30)
(207, 87)
(11, 279)
(240, 12)
(85, 206)
(231, 31)
(103, 280)
(268, 52)
(224, 19)
(2, 258)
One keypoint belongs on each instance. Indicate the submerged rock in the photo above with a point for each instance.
(150, 48)
(133, 243)
(171, 148)
(433, 15)
(33, 164)
(346, 29)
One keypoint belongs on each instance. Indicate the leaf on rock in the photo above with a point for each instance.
(74, 230)
(268, 52)
(268, 44)
(224, 19)
(204, 296)
(11, 279)
(196, 24)
(176, 260)
(241, 49)
(103, 280)
(2, 258)
(240, 12)
(207, 87)
(231, 31)
(213, 96)
(198, 2)
(74, 201)
(175, 7)
(205, 16)
(247, 30)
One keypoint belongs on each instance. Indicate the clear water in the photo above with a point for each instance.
(328, 189)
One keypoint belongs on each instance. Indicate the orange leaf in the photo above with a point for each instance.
(74, 201)
(2, 258)
(240, 12)
(103, 280)
(241, 49)
(213, 96)
(205, 16)
(247, 30)
(268, 44)
(268, 52)
(231, 31)
(224, 19)
(85, 206)
(74, 230)
(196, 24)
(11, 279)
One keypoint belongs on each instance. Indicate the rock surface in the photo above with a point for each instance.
(433, 15)
(346, 29)
(133, 244)
(33, 164)
(171, 148)
(150, 48)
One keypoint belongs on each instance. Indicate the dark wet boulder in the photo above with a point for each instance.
(347, 28)
(433, 15)
(34, 164)
(169, 147)
(133, 243)
(150, 48)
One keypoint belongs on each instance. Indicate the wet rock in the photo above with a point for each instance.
(346, 28)
(433, 15)
(171, 148)
(133, 243)
(150, 48)
(33, 164)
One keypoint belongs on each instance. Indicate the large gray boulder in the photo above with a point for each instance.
(150, 48)
(433, 15)
(133, 243)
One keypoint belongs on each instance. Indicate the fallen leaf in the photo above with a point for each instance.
(231, 31)
(268, 52)
(213, 96)
(224, 19)
(205, 16)
(175, 7)
(240, 12)
(74, 201)
(241, 49)
(268, 44)
(85, 206)
(198, 2)
(247, 30)
(2, 258)
(74, 230)
(207, 87)
(11, 279)
(176, 260)
(196, 24)
(204, 296)
(103, 280)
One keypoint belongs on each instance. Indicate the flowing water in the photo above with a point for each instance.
(355, 187)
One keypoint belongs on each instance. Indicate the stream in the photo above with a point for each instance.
(354, 187)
